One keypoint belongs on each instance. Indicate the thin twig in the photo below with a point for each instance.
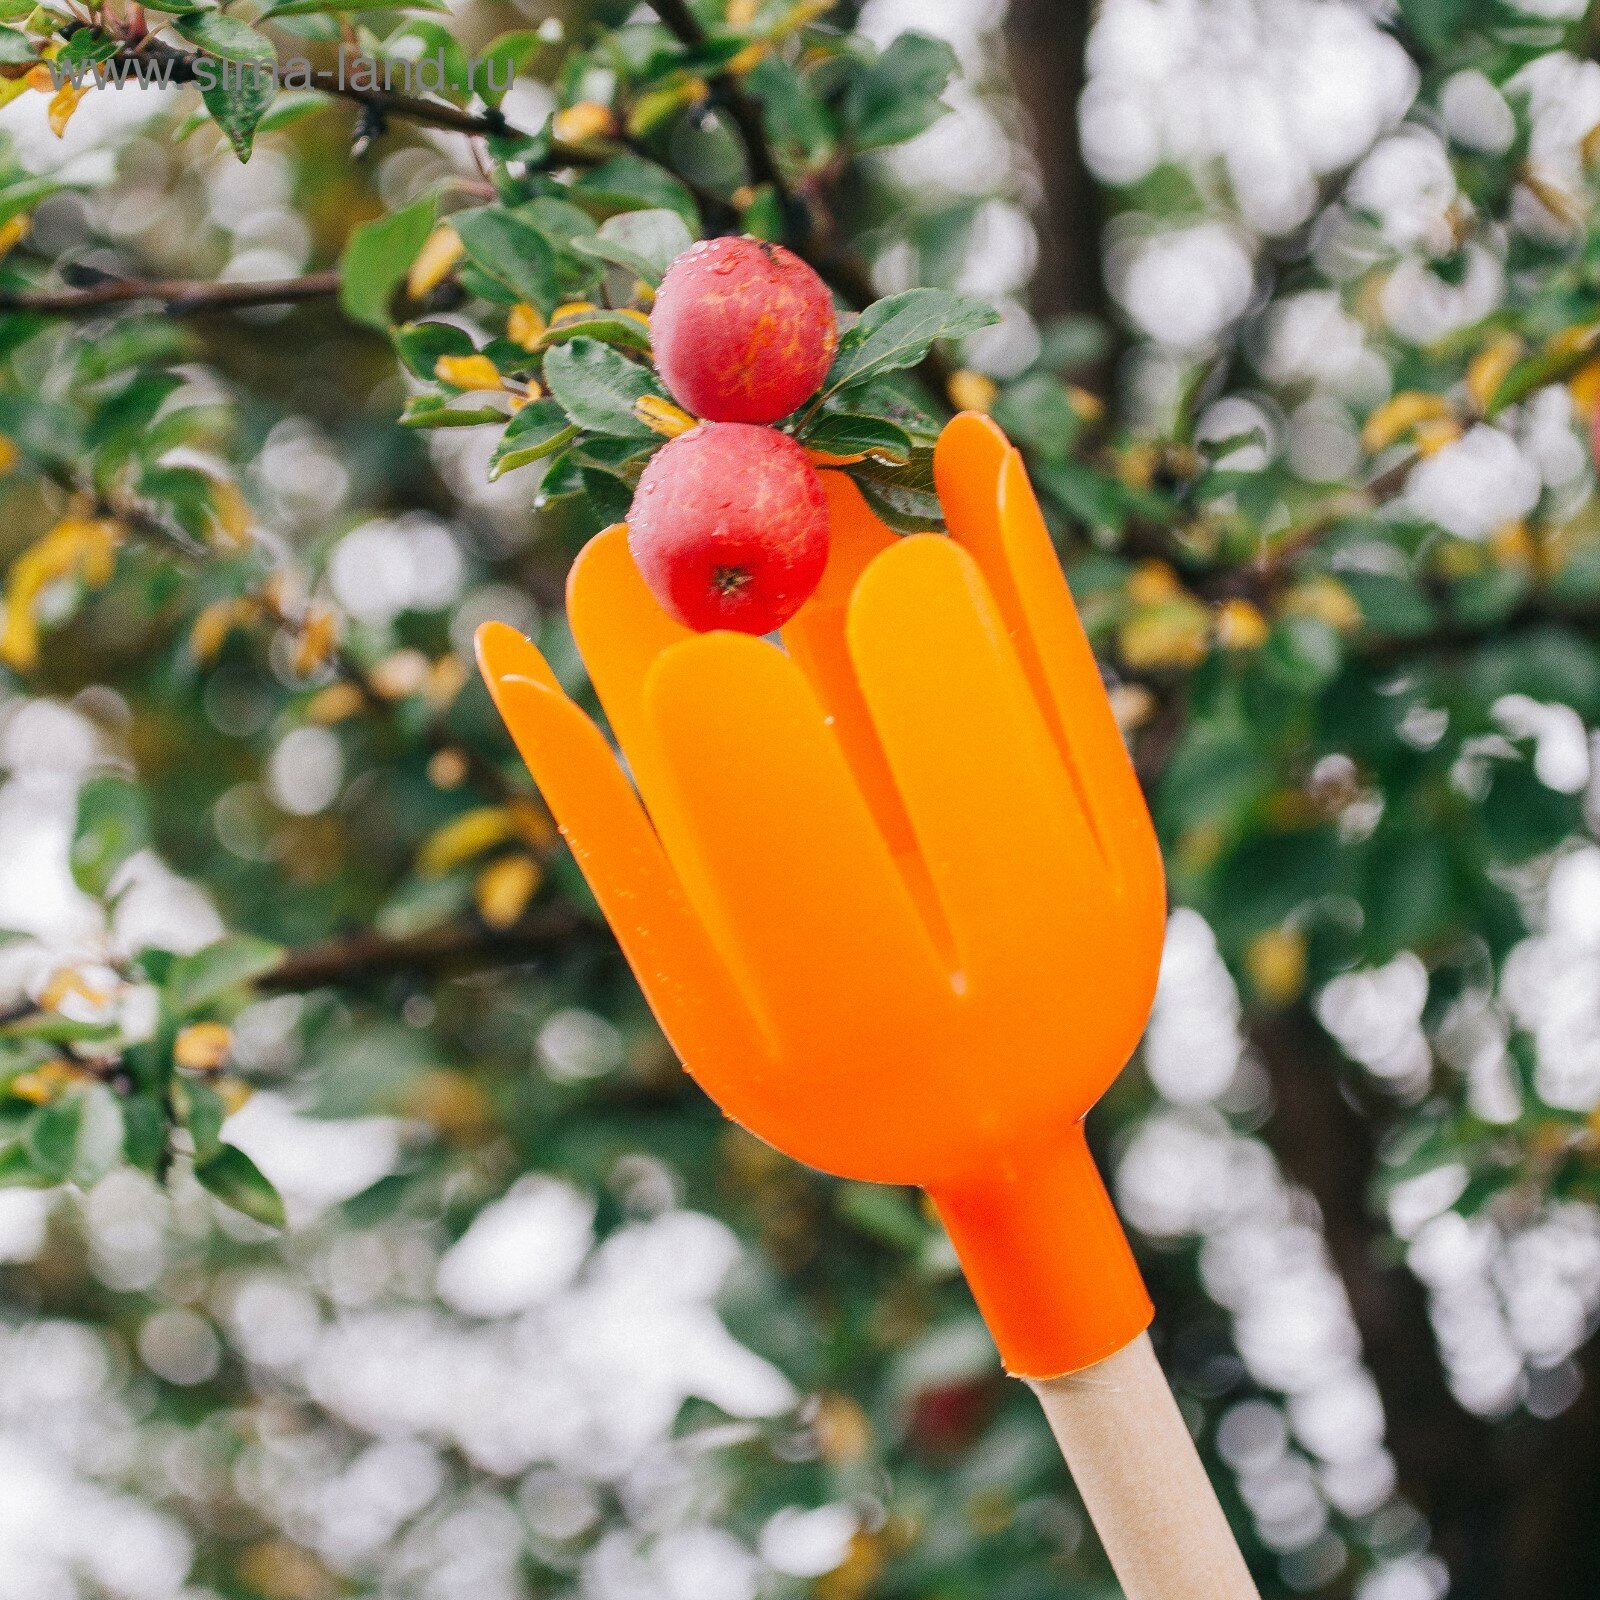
(359, 956)
(175, 296)
(728, 92)
(172, 65)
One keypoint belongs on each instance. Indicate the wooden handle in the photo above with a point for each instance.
(1141, 1479)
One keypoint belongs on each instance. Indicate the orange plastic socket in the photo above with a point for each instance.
(892, 891)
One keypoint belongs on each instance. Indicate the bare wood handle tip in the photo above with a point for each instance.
(1142, 1481)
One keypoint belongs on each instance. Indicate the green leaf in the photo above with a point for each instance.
(16, 48)
(645, 242)
(239, 81)
(203, 1112)
(291, 106)
(499, 65)
(512, 252)
(227, 38)
(630, 183)
(598, 388)
(608, 496)
(305, 8)
(898, 332)
(238, 1182)
(112, 825)
(536, 431)
(19, 197)
(896, 97)
(84, 49)
(377, 258)
(441, 411)
(420, 344)
(839, 434)
(196, 980)
(17, 1169)
(50, 1136)
(49, 1028)
(98, 1147)
(626, 333)
(904, 510)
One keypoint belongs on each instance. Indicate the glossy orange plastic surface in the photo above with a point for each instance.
(892, 891)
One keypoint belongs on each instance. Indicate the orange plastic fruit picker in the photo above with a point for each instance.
(893, 894)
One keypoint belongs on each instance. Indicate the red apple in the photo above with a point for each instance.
(743, 330)
(729, 527)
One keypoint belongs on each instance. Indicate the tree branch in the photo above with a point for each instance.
(175, 296)
(1045, 49)
(178, 66)
(360, 957)
(727, 91)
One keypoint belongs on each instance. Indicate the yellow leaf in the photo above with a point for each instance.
(661, 416)
(84, 547)
(9, 455)
(857, 1575)
(577, 124)
(842, 1430)
(452, 1102)
(467, 372)
(1398, 415)
(1561, 203)
(1151, 582)
(465, 836)
(1276, 962)
(745, 60)
(569, 309)
(1088, 406)
(202, 1046)
(447, 677)
(1136, 465)
(62, 104)
(1240, 626)
(230, 514)
(741, 13)
(1511, 545)
(334, 704)
(19, 644)
(212, 627)
(1132, 705)
(38, 77)
(41, 1084)
(436, 260)
(447, 768)
(68, 983)
(1433, 433)
(972, 391)
(1589, 146)
(1172, 635)
(1575, 340)
(399, 675)
(650, 110)
(1487, 370)
(1326, 599)
(1585, 388)
(12, 231)
(318, 637)
(524, 324)
(234, 1092)
(504, 889)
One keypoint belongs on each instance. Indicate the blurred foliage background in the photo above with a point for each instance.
(361, 1235)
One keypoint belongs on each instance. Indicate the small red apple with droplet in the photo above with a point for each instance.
(743, 330)
(729, 527)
